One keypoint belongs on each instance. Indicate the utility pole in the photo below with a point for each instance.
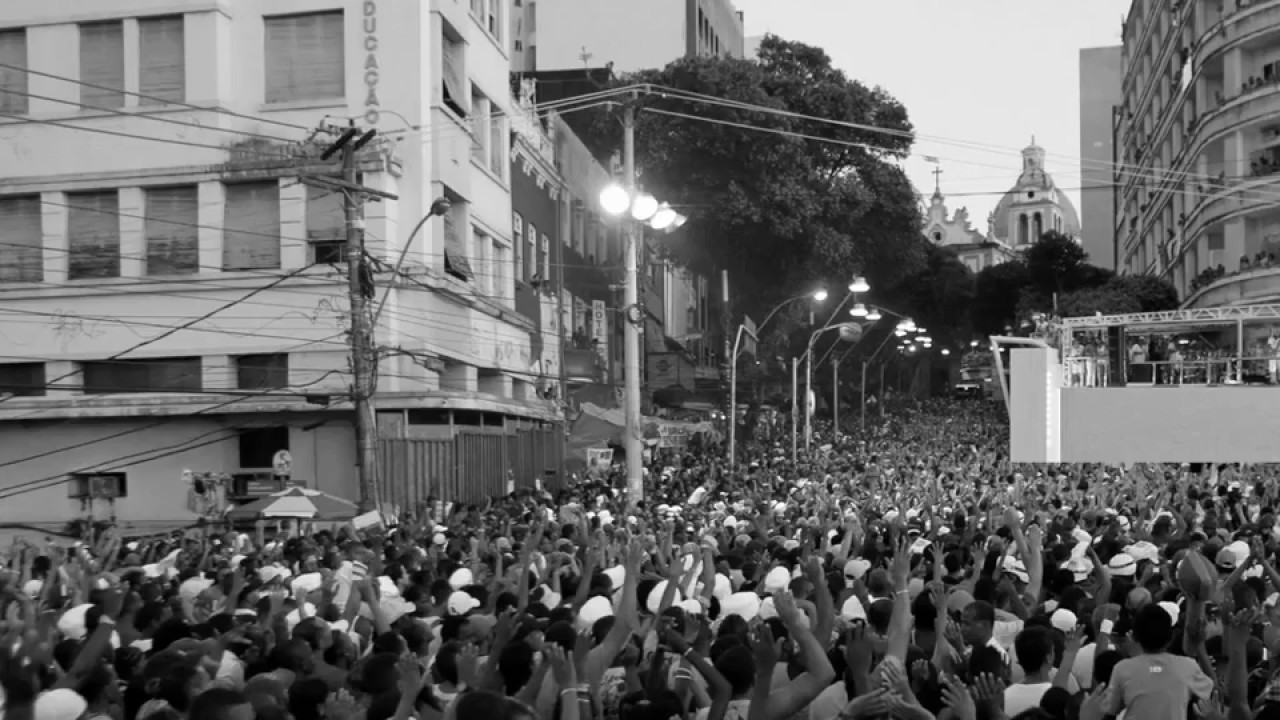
(360, 291)
(632, 442)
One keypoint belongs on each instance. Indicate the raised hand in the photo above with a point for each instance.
(958, 697)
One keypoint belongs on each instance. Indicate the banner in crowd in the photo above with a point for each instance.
(599, 459)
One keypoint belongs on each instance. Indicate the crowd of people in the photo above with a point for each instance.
(904, 569)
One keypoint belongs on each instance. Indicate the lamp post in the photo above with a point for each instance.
(818, 295)
(874, 313)
(635, 208)
(859, 285)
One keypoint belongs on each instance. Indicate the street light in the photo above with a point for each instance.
(874, 315)
(616, 200)
(858, 310)
(818, 296)
(859, 285)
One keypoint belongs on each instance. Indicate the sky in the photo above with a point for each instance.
(979, 78)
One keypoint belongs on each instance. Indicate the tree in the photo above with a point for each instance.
(779, 201)
(1108, 300)
(1152, 294)
(997, 289)
(939, 296)
(1057, 263)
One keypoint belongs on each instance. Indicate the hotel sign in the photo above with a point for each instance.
(372, 108)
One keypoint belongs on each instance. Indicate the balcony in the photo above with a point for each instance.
(1238, 199)
(1250, 287)
(1248, 23)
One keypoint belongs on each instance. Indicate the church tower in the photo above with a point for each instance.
(1034, 206)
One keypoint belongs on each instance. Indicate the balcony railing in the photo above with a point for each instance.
(1205, 371)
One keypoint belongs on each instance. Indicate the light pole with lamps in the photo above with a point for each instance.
(818, 295)
(636, 208)
(858, 286)
(871, 313)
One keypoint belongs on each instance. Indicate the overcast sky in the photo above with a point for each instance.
(979, 78)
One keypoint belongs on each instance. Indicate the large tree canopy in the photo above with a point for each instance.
(780, 201)
(1057, 269)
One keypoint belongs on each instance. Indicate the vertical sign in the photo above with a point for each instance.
(372, 108)
(600, 330)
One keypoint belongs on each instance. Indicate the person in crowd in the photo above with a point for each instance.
(904, 569)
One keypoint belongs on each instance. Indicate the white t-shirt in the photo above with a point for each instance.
(1021, 697)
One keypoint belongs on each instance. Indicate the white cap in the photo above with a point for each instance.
(617, 576)
(461, 578)
(655, 597)
(461, 603)
(777, 579)
(1172, 609)
(856, 568)
(745, 605)
(592, 610)
(1064, 620)
(59, 704)
(309, 582)
(852, 609)
(1143, 550)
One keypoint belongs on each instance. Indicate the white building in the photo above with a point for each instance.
(172, 296)
(627, 35)
(1200, 142)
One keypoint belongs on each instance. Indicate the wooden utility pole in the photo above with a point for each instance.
(360, 289)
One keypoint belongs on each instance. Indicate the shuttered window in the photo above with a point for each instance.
(21, 240)
(178, 374)
(456, 260)
(251, 226)
(304, 57)
(13, 83)
(497, 142)
(102, 65)
(162, 60)
(546, 258)
(93, 230)
(479, 127)
(453, 70)
(326, 225)
(173, 240)
(530, 269)
(517, 244)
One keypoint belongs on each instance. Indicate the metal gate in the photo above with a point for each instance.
(469, 467)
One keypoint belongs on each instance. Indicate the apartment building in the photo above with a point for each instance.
(1200, 139)
(1100, 99)
(172, 284)
(627, 36)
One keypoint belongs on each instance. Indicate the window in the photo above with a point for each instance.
(251, 226)
(110, 485)
(304, 58)
(530, 269)
(262, 372)
(517, 244)
(502, 276)
(479, 127)
(326, 225)
(453, 69)
(102, 65)
(456, 259)
(173, 239)
(546, 259)
(13, 83)
(21, 240)
(494, 20)
(22, 379)
(93, 227)
(258, 446)
(162, 63)
(497, 142)
(477, 8)
(106, 377)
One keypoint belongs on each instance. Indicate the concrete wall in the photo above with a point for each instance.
(1100, 91)
(153, 456)
(1170, 424)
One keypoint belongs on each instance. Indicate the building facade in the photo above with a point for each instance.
(976, 250)
(172, 279)
(1201, 147)
(628, 36)
(1100, 99)
(1033, 206)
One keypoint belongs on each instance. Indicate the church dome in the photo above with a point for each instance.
(1035, 186)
